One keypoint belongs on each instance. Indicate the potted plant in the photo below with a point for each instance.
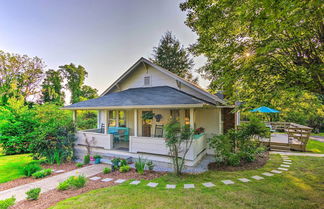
(198, 132)
(97, 159)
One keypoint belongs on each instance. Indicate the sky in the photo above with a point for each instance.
(104, 36)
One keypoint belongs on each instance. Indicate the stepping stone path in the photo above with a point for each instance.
(208, 184)
(287, 163)
(118, 181)
(244, 180)
(267, 174)
(287, 166)
(227, 182)
(189, 186)
(283, 169)
(135, 182)
(107, 179)
(151, 184)
(170, 186)
(276, 171)
(59, 171)
(95, 178)
(257, 177)
(287, 160)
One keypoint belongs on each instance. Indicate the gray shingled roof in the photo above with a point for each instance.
(162, 95)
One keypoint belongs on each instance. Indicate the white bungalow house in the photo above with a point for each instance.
(146, 89)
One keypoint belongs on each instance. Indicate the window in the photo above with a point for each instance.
(187, 117)
(175, 115)
(121, 118)
(112, 118)
(147, 81)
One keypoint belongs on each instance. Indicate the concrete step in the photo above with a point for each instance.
(276, 147)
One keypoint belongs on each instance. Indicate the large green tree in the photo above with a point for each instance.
(257, 48)
(171, 55)
(20, 75)
(52, 87)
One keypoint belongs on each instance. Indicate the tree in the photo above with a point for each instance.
(170, 55)
(52, 87)
(259, 47)
(20, 75)
(178, 140)
(87, 92)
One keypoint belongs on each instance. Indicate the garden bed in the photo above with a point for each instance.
(51, 197)
(259, 162)
(26, 180)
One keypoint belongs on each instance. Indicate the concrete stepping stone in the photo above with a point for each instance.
(189, 186)
(208, 184)
(135, 182)
(107, 179)
(287, 166)
(267, 174)
(287, 160)
(244, 180)
(257, 177)
(152, 184)
(227, 182)
(283, 169)
(276, 171)
(170, 186)
(59, 171)
(119, 181)
(288, 163)
(95, 178)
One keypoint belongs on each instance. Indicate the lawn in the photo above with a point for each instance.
(11, 166)
(315, 146)
(300, 187)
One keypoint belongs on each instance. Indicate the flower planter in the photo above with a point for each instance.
(97, 160)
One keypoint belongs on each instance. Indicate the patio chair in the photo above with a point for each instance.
(158, 131)
(120, 136)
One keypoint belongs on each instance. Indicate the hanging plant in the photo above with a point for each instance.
(148, 116)
(158, 117)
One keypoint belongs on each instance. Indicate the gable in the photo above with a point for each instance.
(143, 70)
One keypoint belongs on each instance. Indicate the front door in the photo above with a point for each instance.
(146, 125)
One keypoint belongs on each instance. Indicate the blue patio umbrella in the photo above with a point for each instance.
(264, 109)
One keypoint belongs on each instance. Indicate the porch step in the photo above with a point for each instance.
(278, 148)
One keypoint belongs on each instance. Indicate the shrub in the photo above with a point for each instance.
(140, 165)
(73, 182)
(5, 204)
(42, 173)
(150, 165)
(79, 165)
(233, 159)
(31, 168)
(116, 162)
(33, 194)
(97, 157)
(124, 168)
(86, 159)
(106, 170)
(123, 162)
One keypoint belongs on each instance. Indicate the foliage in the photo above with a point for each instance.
(31, 168)
(106, 170)
(86, 119)
(42, 173)
(140, 165)
(73, 182)
(20, 75)
(79, 165)
(170, 55)
(148, 115)
(178, 141)
(233, 159)
(150, 165)
(124, 168)
(7, 203)
(116, 162)
(87, 92)
(52, 88)
(256, 48)
(97, 157)
(33, 194)
(86, 159)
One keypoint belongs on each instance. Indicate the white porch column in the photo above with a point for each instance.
(106, 121)
(192, 120)
(220, 119)
(135, 122)
(74, 117)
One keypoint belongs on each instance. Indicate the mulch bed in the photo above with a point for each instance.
(26, 180)
(51, 197)
(260, 161)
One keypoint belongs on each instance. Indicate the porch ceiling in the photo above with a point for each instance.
(150, 97)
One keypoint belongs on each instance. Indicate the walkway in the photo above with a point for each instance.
(50, 183)
(298, 154)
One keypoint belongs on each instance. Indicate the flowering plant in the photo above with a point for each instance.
(199, 130)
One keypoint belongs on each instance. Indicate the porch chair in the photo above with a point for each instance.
(120, 136)
(158, 131)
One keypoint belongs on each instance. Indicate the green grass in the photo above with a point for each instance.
(315, 146)
(301, 187)
(319, 134)
(11, 166)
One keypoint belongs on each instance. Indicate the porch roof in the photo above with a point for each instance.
(141, 97)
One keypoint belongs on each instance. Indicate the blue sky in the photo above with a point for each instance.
(104, 36)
